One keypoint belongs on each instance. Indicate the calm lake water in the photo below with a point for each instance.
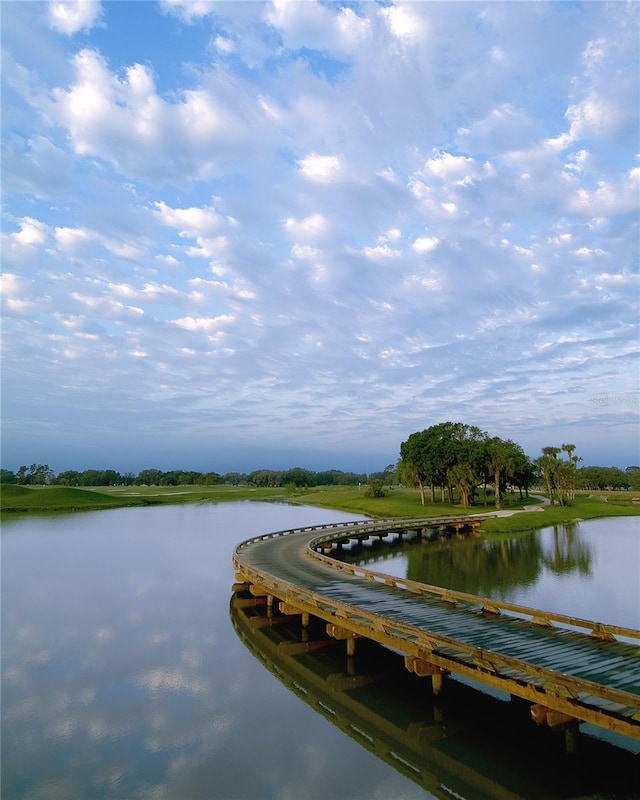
(126, 675)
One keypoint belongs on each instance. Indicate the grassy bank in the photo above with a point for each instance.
(59, 499)
(615, 504)
(396, 503)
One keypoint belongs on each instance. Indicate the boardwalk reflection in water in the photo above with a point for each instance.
(470, 745)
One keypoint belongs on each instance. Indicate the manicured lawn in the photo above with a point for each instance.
(34, 499)
(397, 502)
(585, 506)
(52, 498)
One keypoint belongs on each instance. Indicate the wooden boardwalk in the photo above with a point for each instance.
(570, 670)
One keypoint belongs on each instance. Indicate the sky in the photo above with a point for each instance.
(244, 235)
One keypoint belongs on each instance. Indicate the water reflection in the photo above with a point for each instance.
(124, 680)
(468, 745)
(486, 568)
(570, 552)
(122, 676)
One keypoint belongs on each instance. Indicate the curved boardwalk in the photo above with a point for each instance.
(570, 670)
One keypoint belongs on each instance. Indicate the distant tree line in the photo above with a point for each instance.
(42, 474)
(449, 457)
(609, 478)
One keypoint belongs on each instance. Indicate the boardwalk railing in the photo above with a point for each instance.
(570, 669)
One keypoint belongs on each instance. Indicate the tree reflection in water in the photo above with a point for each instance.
(570, 552)
(485, 568)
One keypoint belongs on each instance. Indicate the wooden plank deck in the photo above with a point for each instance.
(559, 665)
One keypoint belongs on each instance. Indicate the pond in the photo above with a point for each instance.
(125, 675)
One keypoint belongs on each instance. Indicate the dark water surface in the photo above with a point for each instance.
(126, 675)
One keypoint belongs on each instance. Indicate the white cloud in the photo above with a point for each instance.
(32, 232)
(594, 116)
(449, 167)
(322, 169)
(304, 252)
(189, 10)
(425, 244)
(20, 246)
(206, 324)
(125, 122)
(74, 242)
(286, 205)
(381, 252)
(403, 22)
(309, 228)
(71, 16)
(195, 221)
(317, 27)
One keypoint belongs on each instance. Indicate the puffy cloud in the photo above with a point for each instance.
(311, 227)
(21, 245)
(71, 16)
(403, 22)
(424, 244)
(381, 252)
(32, 232)
(74, 241)
(196, 221)
(594, 116)
(124, 121)
(297, 211)
(322, 169)
(189, 10)
(318, 27)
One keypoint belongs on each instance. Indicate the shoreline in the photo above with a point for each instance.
(22, 501)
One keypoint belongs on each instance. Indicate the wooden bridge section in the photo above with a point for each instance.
(570, 670)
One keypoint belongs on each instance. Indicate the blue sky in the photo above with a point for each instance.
(240, 235)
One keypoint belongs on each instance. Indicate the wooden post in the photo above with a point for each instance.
(572, 738)
(342, 633)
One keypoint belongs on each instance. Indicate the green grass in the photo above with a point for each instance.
(52, 498)
(611, 504)
(397, 502)
(40, 499)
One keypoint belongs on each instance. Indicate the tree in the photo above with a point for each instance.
(235, 478)
(446, 455)
(524, 472)
(603, 478)
(7, 476)
(464, 477)
(500, 462)
(37, 474)
(414, 467)
(375, 488)
(69, 477)
(265, 478)
(466, 452)
(149, 477)
(209, 479)
(298, 476)
(547, 463)
(566, 474)
(559, 474)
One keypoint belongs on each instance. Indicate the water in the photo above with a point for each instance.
(584, 569)
(123, 675)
